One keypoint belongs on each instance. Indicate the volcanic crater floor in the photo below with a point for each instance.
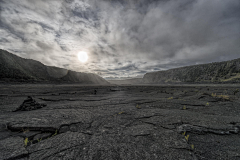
(162, 122)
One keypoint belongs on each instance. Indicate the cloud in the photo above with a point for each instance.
(123, 38)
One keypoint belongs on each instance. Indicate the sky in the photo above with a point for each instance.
(123, 38)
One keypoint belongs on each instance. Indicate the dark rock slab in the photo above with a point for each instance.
(128, 124)
(28, 134)
(48, 120)
(64, 129)
(30, 104)
(202, 130)
(57, 145)
(160, 145)
(12, 148)
(41, 136)
(4, 133)
(139, 130)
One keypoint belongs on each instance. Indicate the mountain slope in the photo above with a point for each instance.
(14, 68)
(219, 72)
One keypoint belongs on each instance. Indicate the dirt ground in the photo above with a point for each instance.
(152, 122)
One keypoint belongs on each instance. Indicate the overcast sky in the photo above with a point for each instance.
(122, 37)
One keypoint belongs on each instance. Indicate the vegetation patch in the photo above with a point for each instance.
(223, 97)
(184, 107)
(138, 107)
(233, 78)
(26, 142)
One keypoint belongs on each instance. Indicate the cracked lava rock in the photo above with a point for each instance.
(29, 104)
(161, 122)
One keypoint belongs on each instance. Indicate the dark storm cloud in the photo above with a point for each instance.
(123, 38)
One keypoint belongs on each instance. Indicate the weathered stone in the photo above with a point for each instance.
(28, 134)
(50, 148)
(29, 104)
(139, 130)
(12, 148)
(42, 136)
(64, 129)
(73, 128)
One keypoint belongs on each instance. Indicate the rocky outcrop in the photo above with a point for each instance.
(17, 69)
(29, 104)
(219, 72)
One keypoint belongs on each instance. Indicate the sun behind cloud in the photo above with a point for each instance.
(82, 56)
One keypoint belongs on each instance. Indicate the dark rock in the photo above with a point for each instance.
(3, 127)
(5, 134)
(12, 148)
(41, 136)
(73, 128)
(109, 126)
(29, 104)
(29, 99)
(64, 129)
(56, 145)
(139, 130)
(28, 134)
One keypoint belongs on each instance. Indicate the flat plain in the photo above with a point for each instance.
(131, 122)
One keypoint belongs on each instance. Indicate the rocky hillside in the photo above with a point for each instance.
(17, 69)
(219, 72)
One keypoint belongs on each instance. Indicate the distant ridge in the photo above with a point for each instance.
(218, 72)
(17, 69)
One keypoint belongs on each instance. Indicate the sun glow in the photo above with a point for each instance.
(82, 56)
